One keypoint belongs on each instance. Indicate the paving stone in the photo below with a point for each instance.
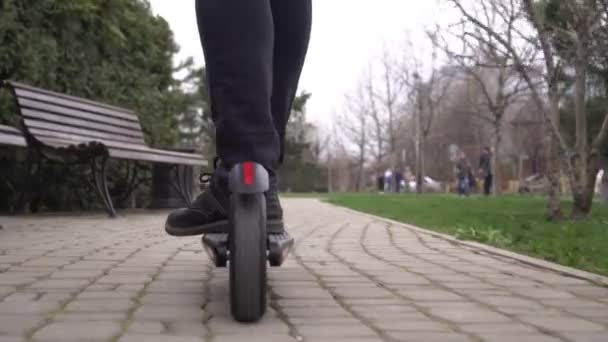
(296, 293)
(174, 286)
(363, 292)
(588, 337)
(430, 295)
(159, 338)
(76, 274)
(371, 302)
(18, 297)
(48, 261)
(315, 312)
(91, 316)
(12, 324)
(311, 332)
(428, 337)
(173, 298)
(264, 338)
(146, 327)
(97, 305)
(324, 320)
(494, 337)
(60, 284)
(506, 329)
(541, 293)
(576, 303)
(6, 290)
(29, 307)
(183, 276)
(77, 331)
(187, 328)
(411, 325)
(13, 278)
(12, 339)
(88, 265)
(589, 291)
(105, 295)
(563, 323)
(101, 287)
(169, 313)
(470, 316)
(123, 279)
(350, 339)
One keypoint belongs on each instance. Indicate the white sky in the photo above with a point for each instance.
(347, 35)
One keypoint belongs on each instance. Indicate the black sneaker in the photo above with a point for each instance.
(208, 213)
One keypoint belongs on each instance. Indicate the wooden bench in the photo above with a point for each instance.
(72, 129)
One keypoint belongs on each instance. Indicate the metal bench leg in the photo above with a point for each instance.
(180, 184)
(99, 166)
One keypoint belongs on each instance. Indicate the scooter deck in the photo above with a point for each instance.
(279, 247)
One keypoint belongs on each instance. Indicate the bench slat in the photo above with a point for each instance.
(11, 136)
(68, 112)
(122, 152)
(72, 101)
(65, 140)
(88, 126)
(152, 157)
(41, 129)
(74, 104)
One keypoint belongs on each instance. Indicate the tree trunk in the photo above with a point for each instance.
(583, 188)
(496, 163)
(604, 187)
(583, 198)
(554, 209)
(420, 165)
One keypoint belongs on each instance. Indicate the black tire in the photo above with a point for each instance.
(248, 257)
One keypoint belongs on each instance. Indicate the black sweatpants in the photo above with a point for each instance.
(254, 53)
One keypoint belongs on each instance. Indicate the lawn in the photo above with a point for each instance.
(513, 222)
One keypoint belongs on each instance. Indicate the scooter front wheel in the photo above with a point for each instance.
(248, 256)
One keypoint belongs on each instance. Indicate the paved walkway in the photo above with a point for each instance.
(352, 278)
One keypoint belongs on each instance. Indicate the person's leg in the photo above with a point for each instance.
(487, 185)
(238, 40)
(292, 24)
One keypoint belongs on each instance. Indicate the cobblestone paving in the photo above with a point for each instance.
(351, 278)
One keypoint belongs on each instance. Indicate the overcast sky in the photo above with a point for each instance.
(347, 35)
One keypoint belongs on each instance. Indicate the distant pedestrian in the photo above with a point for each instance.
(398, 177)
(463, 172)
(485, 170)
(380, 183)
(388, 177)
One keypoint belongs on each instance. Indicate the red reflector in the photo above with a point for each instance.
(248, 173)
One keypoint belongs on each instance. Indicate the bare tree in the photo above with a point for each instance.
(430, 94)
(354, 125)
(495, 85)
(579, 31)
(376, 143)
(390, 97)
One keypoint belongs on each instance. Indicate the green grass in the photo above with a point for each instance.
(513, 222)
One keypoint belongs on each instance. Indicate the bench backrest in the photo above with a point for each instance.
(50, 115)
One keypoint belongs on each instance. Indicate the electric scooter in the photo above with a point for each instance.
(247, 249)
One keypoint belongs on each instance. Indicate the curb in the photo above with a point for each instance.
(546, 265)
